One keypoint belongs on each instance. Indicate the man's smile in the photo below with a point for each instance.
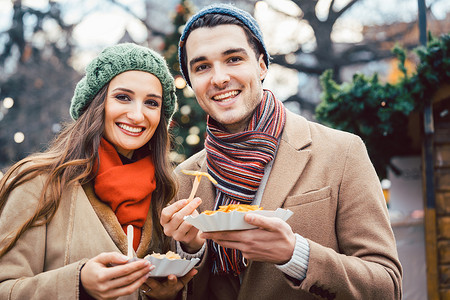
(226, 96)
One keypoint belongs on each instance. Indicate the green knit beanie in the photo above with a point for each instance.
(115, 60)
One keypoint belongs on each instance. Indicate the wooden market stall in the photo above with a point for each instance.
(436, 178)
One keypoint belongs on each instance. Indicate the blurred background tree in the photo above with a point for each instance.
(45, 45)
(385, 115)
(36, 80)
(188, 123)
(343, 36)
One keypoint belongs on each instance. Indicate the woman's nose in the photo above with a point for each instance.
(136, 114)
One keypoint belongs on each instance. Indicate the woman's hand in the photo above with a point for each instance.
(102, 281)
(172, 219)
(168, 289)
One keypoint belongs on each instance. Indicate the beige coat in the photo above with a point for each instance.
(325, 177)
(45, 263)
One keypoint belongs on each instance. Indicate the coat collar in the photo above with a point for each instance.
(113, 227)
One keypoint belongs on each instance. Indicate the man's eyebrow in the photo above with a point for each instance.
(196, 60)
(235, 50)
(225, 53)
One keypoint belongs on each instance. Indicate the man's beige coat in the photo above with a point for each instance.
(46, 261)
(326, 178)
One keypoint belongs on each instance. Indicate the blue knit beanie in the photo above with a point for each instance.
(117, 59)
(222, 9)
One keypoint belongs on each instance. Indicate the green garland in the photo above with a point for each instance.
(378, 112)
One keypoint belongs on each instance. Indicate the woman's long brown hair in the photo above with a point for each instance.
(70, 159)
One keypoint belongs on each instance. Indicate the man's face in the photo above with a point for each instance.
(225, 74)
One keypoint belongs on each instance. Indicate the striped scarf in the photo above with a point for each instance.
(237, 161)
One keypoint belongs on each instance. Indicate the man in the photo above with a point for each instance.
(338, 244)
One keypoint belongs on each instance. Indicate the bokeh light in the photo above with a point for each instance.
(180, 83)
(185, 110)
(19, 137)
(8, 102)
(194, 130)
(192, 139)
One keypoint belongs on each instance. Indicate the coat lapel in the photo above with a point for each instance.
(109, 220)
(292, 157)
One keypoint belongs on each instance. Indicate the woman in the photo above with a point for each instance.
(63, 212)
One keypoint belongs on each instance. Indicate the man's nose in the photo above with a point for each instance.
(220, 76)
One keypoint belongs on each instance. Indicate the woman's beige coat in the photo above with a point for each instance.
(45, 263)
(326, 178)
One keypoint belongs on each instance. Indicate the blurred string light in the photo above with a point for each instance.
(176, 157)
(188, 92)
(180, 83)
(19, 137)
(5, 105)
(56, 127)
(8, 102)
(185, 119)
(194, 130)
(179, 139)
(185, 110)
(193, 138)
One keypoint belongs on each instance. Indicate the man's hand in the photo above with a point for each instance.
(273, 241)
(172, 219)
(167, 289)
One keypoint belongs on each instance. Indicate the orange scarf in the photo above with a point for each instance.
(127, 189)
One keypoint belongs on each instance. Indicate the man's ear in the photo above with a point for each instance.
(262, 67)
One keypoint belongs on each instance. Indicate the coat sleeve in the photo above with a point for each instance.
(24, 274)
(366, 266)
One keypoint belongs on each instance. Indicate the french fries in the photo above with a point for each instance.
(198, 176)
(168, 255)
(198, 173)
(233, 207)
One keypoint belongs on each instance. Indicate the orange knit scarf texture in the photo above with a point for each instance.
(127, 189)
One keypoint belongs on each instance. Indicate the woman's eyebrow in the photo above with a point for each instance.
(124, 89)
(132, 92)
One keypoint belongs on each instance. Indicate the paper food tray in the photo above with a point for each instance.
(233, 220)
(164, 266)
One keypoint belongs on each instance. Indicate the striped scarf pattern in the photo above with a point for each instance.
(237, 161)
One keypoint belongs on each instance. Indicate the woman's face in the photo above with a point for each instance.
(132, 110)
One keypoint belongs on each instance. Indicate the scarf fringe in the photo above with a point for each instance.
(227, 261)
